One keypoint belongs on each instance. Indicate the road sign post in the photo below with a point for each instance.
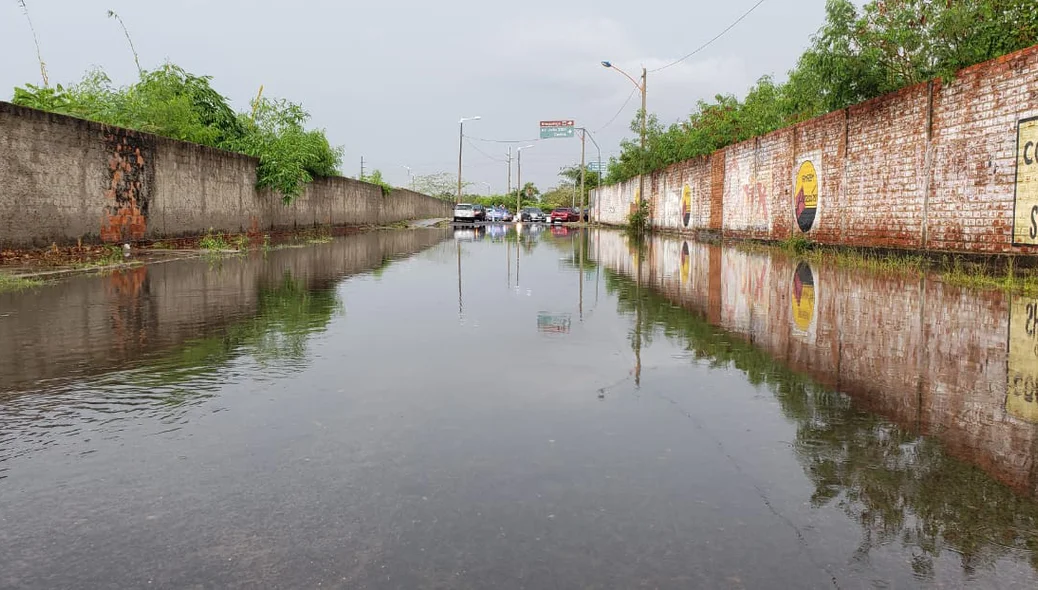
(557, 129)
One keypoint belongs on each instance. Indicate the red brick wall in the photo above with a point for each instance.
(974, 163)
(931, 166)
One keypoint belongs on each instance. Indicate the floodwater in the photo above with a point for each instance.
(482, 408)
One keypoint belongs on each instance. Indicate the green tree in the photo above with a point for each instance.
(855, 55)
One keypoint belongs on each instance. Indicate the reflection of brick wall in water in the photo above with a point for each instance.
(927, 356)
(126, 183)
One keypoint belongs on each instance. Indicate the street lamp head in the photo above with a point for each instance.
(607, 64)
(526, 147)
(476, 118)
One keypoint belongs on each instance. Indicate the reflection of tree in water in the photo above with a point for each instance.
(897, 485)
(287, 314)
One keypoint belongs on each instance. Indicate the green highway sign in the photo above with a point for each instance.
(555, 129)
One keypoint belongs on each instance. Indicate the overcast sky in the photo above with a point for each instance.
(389, 80)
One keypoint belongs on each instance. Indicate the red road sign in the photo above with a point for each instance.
(566, 123)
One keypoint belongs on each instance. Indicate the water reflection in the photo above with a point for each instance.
(912, 417)
(155, 340)
(670, 414)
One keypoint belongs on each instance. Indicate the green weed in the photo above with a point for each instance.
(9, 283)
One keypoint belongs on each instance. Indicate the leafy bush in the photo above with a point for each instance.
(174, 103)
(289, 155)
(639, 221)
(376, 178)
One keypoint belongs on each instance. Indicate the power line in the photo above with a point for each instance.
(473, 146)
(502, 140)
(626, 102)
(707, 44)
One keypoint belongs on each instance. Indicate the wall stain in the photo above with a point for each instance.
(126, 183)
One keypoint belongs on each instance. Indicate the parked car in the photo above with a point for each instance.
(532, 214)
(498, 214)
(563, 215)
(465, 212)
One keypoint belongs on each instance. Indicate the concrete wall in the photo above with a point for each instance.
(932, 167)
(930, 357)
(63, 179)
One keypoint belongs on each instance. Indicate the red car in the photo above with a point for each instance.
(564, 214)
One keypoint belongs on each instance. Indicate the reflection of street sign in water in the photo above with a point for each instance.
(555, 323)
(554, 129)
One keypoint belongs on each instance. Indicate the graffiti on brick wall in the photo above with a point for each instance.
(1022, 373)
(1025, 217)
(126, 184)
(807, 187)
(748, 206)
(804, 298)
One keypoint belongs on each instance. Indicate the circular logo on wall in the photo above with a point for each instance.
(686, 205)
(806, 191)
(686, 262)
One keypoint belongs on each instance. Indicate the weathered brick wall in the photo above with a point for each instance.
(932, 166)
(974, 153)
(64, 179)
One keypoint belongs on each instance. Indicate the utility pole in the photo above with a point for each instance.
(583, 199)
(362, 168)
(641, 177)
(509, 192)
(519, 191)
(461, 142)
(645, 114)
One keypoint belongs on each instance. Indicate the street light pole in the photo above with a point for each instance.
(519, 179)
(461, 142)
(641, 87)
(410, 177)
(588, 134)
(490, 189)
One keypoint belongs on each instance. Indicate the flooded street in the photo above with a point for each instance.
(552, 408)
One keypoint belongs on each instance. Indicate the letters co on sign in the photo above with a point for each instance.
(1025, 218)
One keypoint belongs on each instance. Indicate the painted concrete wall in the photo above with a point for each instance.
(63, 179)
(928, 356)
(934, 166)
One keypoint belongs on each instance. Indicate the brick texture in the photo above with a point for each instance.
(932, 167)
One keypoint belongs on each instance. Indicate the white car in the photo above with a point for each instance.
(465, 212)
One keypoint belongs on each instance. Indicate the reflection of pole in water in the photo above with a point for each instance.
(638, 322)
(598, 264)
(518, 247)
(459, 280)
(508, 258)
(581, 275)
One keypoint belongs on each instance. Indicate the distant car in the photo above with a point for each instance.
(465, 212)
(564, 215)
(532, 214)
(481, 212)
(498, 214)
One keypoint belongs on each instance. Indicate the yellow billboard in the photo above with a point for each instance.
(1025, 216)
(1022, 366)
